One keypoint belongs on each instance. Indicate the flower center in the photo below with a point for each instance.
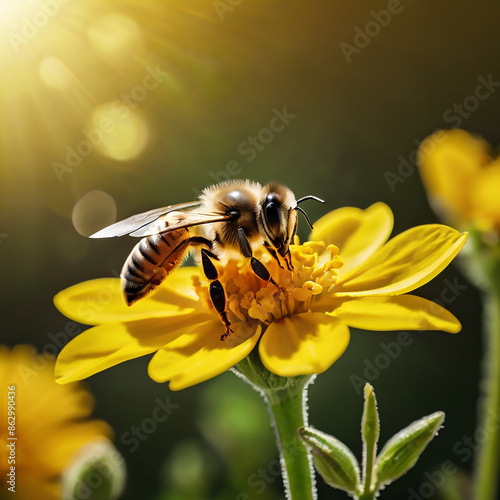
(252, 300)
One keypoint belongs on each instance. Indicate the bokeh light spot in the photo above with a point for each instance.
(116, 37)
(54, 73)
(121, 133)
(93, 211)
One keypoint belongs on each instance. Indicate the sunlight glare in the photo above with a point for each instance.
(11, 12)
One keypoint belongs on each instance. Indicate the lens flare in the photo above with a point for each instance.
(84, 88)
(115, 37)
(54, 73)
(123, 131)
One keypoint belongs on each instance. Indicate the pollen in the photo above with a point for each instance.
(252, 300)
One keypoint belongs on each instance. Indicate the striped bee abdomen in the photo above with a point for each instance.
(151, 261)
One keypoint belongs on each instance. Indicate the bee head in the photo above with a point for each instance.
(278, 216)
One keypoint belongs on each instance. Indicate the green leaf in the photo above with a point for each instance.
(402, 451)
(333, 459)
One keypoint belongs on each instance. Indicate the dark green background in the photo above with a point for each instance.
(354, 121)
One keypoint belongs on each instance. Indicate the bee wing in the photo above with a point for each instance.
(138, 221)
(178, 220)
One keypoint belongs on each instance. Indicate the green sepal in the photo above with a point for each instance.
(333, 459)
(402, 451)
(97, 472)
(253, 371)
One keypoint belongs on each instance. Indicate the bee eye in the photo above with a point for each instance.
(273, 216)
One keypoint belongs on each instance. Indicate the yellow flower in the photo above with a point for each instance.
(49, 423)
(462, 179)
(303, 326)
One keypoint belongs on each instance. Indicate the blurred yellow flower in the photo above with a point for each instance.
(303, 326)
(48, 421)
(462, 179)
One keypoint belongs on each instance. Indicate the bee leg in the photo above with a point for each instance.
(257, 267)
(273, 253)
(217, 294)
(200, 240)
(288, 260)
(218, 298)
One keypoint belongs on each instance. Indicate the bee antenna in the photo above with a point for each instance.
(308, 197)
(305, 215)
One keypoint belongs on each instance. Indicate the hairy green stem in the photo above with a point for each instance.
(288, 411)
(367, 495)
(286, 398)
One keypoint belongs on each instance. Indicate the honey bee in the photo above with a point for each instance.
(230, 218)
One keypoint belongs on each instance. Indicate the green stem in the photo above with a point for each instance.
(368, 462)
(367, 495)
(487, 463)
(286, 398)
(288, 411)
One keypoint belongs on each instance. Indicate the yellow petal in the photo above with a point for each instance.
(101, 347)
(101, 300)
(33, 486)
(449, 161)
(200, 355)
(358, 233)
(303, 344)
(485, 199)
(406, 262)
(404, 312)
(58, 452)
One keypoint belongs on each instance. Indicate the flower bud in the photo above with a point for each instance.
(97, 472)
(333, 460)
(370, 423)
(402, 451)
(370, 432)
